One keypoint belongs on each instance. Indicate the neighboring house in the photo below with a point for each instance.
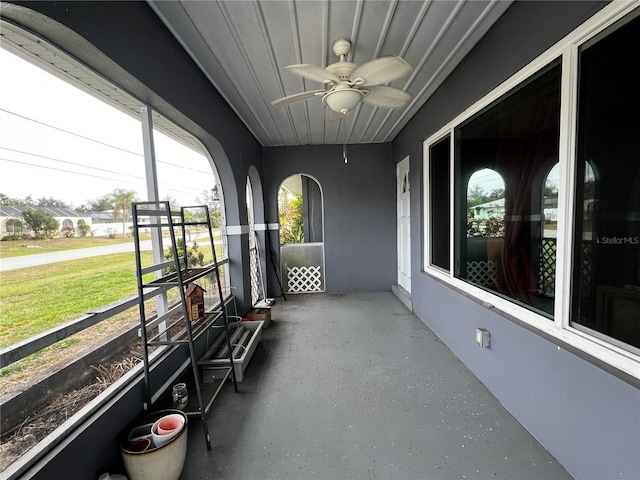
(101, 217)
(105, 224)
(12, 222)
(492, 209)
(496, 209)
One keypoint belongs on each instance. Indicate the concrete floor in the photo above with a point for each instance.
(356, 386)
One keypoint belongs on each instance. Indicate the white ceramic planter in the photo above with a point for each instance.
(164, 462)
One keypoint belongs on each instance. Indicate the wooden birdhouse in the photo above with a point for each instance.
(195, 302)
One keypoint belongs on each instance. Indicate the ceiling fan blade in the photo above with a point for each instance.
(297, 97)
(313, 72)
(381, 70)
(386, 97)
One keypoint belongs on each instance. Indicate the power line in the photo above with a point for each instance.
(100, 142)
(167, 186)
(72, 133)
(63, 170)
(68, 162)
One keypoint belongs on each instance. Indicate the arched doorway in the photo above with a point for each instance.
(300, 214)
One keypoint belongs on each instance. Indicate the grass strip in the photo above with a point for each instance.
(36, 299)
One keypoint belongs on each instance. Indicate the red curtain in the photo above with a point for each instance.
(527, 141)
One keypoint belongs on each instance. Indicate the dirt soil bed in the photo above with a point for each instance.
(17, 441)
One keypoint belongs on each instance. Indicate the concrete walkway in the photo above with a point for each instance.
(356, 386)
(25, 261)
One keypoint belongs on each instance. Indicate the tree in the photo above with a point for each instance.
(475, 195)
(211, 199)
(82, 208)
(84, 229)
(291, 217)
(43, 224)
(550, 190)
(51, 202)
(17, 202)
(28, 201)
(496, 194)
(101, 204)
(195, 258)
(25, 202)
(122, 205)
(173, 202)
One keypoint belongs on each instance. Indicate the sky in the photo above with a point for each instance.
(57, 141)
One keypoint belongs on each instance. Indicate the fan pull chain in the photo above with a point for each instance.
(344, 144)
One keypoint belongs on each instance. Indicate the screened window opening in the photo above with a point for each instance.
(300, 213)
(606, 276)
(502, 158)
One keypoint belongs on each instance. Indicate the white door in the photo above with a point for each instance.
(404, 224)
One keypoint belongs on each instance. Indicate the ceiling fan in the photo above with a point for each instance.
(348, 84)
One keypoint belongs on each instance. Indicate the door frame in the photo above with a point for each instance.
(403, 218)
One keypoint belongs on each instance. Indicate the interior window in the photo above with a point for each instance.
(606, 294)
(439, 202)
(502, 158)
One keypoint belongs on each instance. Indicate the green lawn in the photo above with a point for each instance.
(35, 299)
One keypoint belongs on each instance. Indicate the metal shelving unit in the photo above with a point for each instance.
(174, 327)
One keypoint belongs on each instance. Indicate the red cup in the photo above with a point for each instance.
(139, 445)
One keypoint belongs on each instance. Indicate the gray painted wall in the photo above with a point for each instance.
(587, 418)
(359, 210)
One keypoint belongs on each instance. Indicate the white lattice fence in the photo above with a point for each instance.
(254, 275)
(304, 279)
(483, 273)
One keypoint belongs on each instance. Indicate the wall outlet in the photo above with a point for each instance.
(482, 337)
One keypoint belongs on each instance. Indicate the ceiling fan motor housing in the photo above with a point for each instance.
(341, 47)
(342, 70)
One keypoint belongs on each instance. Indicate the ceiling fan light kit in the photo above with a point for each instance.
(348, 84)
(343, 100)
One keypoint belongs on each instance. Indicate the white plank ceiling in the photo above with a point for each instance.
(242, 46)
